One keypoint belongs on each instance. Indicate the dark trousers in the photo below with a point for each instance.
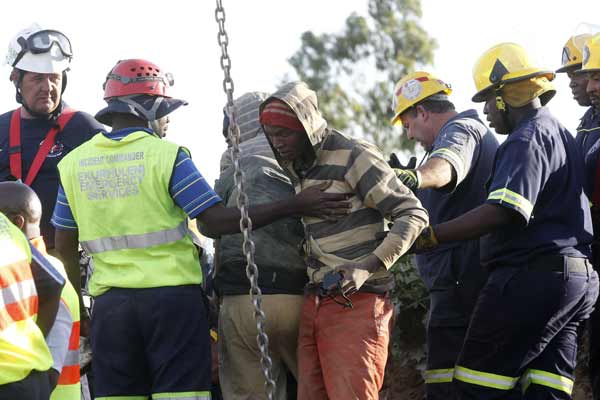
(36, 386)
(594, 354)
(453, 296)
(151, 341)
(443, 346)
(524, 327)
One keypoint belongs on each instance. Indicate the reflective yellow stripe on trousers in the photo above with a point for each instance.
(543, 378)
(439, 375)
(182, 396)
(484, 378)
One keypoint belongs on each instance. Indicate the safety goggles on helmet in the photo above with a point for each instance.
(166, 79)
(41, 42)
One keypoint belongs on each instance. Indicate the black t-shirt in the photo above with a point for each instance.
(79, 129)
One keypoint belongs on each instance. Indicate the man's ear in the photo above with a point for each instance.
(18, 220)
(14, 76)
(421, 111)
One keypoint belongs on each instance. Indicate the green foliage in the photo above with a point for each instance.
(354, 71)
(411, 302)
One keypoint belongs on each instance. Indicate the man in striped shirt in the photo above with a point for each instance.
(344, 330)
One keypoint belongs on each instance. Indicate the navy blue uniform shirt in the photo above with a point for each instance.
(469, 146)
(33, 131)
(588, 133)
(538, 172)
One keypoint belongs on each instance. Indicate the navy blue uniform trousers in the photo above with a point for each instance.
(149, 341)
(523, 334)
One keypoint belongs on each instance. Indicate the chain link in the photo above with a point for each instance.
(242, 203)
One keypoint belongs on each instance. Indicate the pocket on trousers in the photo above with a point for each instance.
(382, 314)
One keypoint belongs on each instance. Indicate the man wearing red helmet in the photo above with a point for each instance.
(36, 136)
(149, 328)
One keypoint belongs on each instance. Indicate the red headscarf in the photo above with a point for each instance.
(277, 113)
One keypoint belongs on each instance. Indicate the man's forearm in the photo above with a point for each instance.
(224, 221)
(314, 201)
(436, 173)
(475, 223)
(67, 246)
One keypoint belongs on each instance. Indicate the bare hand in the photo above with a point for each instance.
(315, 202)
(85, 327)
(356, 274)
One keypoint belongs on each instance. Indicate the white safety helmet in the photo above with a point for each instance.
(39, 50)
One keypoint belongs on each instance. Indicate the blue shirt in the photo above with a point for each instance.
(588, 133)
(188, 188)
(469, 146)
(33, 131)
(538, 173)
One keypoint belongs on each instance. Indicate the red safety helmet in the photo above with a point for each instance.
(136, 76)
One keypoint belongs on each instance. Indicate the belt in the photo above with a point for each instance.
(559, 264)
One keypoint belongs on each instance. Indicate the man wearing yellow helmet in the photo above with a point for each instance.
(451, 182)
(537, 221)
(590, 71)
(588, 131)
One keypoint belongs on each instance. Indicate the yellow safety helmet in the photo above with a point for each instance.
(414, 88)
(503, 63)
(572, 54)
(591, 54)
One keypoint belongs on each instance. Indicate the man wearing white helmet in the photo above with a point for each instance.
(37, 135)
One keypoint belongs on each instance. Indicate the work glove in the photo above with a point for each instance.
(410, 177)
(406, 173)
(395, 163)
(425, 241)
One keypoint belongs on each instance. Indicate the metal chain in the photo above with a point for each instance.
(242, 203)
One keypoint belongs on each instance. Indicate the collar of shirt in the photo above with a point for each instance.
(121, 133)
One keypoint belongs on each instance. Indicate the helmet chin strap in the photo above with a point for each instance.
(148, 115)
(501, 106)
(155, 126)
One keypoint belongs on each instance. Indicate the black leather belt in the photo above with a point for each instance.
(560, 264)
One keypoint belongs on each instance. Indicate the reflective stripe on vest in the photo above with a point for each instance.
(135, 241)
(17, 292)
(548, 379)
(439, 375)
(181, 396)
(485, 379)
(18, 296)
(70, 372)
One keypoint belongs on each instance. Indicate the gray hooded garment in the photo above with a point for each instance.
(281, 267)
(358, 168)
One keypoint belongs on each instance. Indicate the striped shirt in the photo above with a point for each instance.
(358, 168)
(188, 188)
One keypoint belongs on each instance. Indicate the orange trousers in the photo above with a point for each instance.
(342, 351)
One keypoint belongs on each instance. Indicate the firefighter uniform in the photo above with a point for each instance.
(541, 285)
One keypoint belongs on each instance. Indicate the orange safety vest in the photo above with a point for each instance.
(22, 344)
